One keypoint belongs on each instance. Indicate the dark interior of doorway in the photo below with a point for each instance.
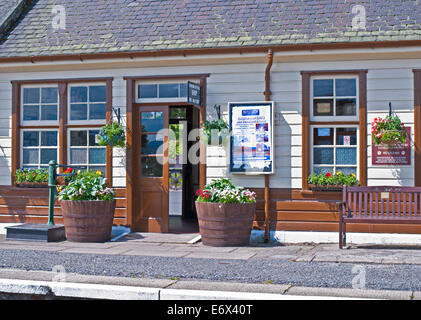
(183, 175)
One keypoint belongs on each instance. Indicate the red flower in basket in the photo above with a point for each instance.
(328, 174)
(68, 170)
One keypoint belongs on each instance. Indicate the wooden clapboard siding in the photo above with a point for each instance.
(30, 205)
(297, 210)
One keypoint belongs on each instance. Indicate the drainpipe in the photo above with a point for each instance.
(268, 94)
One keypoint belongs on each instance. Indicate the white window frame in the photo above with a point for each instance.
(334, 117)
(152, 100)
(87, 147)
(38, 147)
(39, 122)
(85, 122)
(335, 146)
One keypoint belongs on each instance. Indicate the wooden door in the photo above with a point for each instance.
(152, 184)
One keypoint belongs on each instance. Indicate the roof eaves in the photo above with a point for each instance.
(13, 16)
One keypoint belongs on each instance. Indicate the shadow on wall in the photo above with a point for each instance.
(12, 202)
(4, 167)
(283, 138)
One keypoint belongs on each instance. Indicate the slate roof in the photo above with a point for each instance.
(99, 26)
(5, 7)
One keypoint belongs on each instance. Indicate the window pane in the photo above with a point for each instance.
(168, 90)
(346, 107)
(30, 138)
(97, 156)
(99, 168)
(183, 90)
(323, 155)
(78, 156)
(97, 94)
(324, 170)
(346, 156)
(347, 170)
(323, 107)
(49, 112)
(97, 111)
(31, 95)
(92, 136)
(323, 88)
(78, 94)
(151, 143)
(78, 112)
(148, 91)
(346, 87)
(47, 155)
(49, 95)
(323, 136)
(178, 113)
(30, 113)
(78, 138)
(346, 136)
(152, 121)
(30, 156)
(48, 138)
(151, 167)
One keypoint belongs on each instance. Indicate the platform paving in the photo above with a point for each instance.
(169, 261)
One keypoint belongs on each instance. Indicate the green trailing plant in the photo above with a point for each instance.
(215, 128)
(31, 176)
(390, 130)
(223, 191)
(86, 185)
(330, 179)
(113, 135)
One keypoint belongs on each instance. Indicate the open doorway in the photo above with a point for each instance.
(183, 175)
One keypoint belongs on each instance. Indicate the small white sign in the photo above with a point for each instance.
(347, 140)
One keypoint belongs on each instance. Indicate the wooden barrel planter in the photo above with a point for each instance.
(225, 224)
(88, 221)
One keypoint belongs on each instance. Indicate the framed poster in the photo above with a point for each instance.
(251, 147)
(393, 155)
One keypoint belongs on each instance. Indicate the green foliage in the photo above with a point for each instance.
(337, 179)
(223, 191)
(390, 130)
(86, 185)
(112, 135)
(31, 175)
(219, 128)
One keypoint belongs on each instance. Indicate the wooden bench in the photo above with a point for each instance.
(379, 205)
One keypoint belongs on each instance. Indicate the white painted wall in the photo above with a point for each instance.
(387, 80)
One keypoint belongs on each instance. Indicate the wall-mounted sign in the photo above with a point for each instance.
(251, 148)
(194, 93)
(393, 155)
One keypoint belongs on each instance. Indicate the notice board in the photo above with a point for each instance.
(251, 147)
(393, 155)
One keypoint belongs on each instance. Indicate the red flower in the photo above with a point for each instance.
(68, 170)
(328, 174)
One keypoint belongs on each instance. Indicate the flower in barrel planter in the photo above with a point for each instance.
(331, 181)
(87, 206)
(112, 135)
(225, 213)
(215, 132)
(390, 130)
(31, 177)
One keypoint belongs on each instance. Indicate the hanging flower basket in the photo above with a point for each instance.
(215, 132)
(388, 131)
(112, 135)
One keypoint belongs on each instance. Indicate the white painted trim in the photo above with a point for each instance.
(333, 237)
